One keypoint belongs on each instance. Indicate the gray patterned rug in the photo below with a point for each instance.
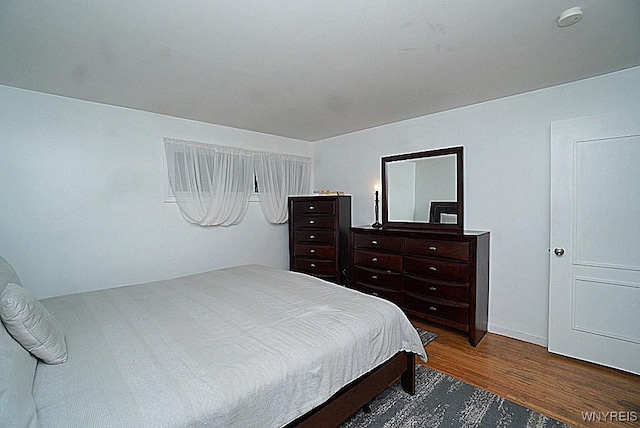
(426, 336)
(442, 401)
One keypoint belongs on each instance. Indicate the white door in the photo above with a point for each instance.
(594, 292)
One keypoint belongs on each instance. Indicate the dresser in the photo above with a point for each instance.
(439, 277)
(319, 236)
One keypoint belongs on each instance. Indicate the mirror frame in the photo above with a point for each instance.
(439, 227)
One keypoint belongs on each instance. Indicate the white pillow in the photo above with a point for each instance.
(31, 325)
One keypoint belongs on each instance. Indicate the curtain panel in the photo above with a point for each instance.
(279, 176)
(213, 184)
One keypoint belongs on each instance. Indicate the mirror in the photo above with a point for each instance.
(423, 190)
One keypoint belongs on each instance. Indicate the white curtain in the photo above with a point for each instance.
(212, 184)
(279, 176)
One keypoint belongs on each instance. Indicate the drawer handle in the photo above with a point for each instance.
(375, 259)
(374, 242)
(432, 288)
(432, 268)
(433, 248)
(312, 221)
(313, 265)
(312, 207)
(312, 251)
(312, 236)
(374, 276)
(432, 308)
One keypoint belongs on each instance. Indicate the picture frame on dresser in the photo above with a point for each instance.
(437, 208)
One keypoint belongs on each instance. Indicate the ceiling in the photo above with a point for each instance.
(308, 69)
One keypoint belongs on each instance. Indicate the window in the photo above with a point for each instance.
(213, 185)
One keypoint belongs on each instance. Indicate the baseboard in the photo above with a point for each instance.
(514, 334)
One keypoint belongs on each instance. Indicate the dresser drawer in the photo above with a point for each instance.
(314, 251)
(311, 221)
(434, 268)
(436, 248)
(457, 313)
(382, 261)
(394, 296)
(434, 288)
(314, 236)
(314, 207)
(378, 242)
(378, 278)
(322, 267)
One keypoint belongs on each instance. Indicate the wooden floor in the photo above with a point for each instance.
(559, 387)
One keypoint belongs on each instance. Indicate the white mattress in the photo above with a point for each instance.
(250, 346)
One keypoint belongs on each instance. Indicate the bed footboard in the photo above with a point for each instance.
(358, 393)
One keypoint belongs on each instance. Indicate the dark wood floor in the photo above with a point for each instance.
(559, 387)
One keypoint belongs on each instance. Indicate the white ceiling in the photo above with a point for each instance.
(308, 69)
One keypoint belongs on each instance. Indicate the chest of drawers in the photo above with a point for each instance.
(319, 236)
(439, 277)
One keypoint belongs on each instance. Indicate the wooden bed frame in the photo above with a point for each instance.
(354, 396)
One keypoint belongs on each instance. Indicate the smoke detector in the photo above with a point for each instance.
(570, 17)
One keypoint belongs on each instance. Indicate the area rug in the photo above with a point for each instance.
(426, 336)
(442, 401)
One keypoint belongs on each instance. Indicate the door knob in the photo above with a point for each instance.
(559, 251)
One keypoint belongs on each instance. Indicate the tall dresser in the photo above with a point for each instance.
(440, 277)
(319, 236)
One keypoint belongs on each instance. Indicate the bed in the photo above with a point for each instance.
(244, 346)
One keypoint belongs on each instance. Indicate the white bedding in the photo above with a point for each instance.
(250, 346)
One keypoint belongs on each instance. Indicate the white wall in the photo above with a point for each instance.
(506, 154)
(81, 197)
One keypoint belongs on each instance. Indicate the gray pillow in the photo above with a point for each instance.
(17, 369)
(31, 325)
